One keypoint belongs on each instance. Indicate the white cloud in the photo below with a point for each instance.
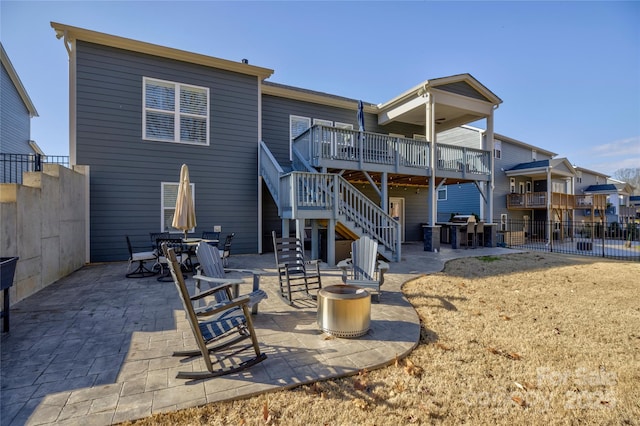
(622, 147)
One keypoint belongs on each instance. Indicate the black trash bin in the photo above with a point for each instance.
(7, 272)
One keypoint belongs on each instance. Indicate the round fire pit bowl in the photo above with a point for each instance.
(344, 310)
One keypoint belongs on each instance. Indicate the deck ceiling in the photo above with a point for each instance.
(356, 177)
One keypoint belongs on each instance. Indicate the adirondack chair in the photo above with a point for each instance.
(224, 326)
(295, 273)
(364, 269)
(211, 272)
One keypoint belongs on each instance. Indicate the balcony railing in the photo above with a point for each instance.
(538, 200)
(322, 143)
(12, 166)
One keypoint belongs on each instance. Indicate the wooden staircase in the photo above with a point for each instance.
(318, 196)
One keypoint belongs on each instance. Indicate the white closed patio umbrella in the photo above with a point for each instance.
(184, 218)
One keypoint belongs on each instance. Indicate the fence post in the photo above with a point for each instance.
(37, 166)
(604, 227)
(551, 233)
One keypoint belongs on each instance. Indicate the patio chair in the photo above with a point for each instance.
(364, 269)
(226, 249)
(212, 272)
(141, 257)
(161, 262)
(153, 236)
(217, 330)
(214, 236)
(295, 273)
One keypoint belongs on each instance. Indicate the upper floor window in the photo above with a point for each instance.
(497, 149)
(534, 155)
(175, 112)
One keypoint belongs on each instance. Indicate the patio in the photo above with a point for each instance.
(95, 347)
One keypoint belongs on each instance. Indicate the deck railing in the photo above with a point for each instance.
(330, 196)
(331, 143)
(538, 200)
(12, 166)
(320, 143)
(270, 171)
(453, 158)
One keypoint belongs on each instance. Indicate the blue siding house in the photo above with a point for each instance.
(262, 155)
(16, 111)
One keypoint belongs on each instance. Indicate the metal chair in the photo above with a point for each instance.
(364, 269)
(161, 262)
(217, 331)
(212, 272)
(295, 273)
(226, 249)
(141, 257)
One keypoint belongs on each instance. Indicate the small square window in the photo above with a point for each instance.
(442, 194)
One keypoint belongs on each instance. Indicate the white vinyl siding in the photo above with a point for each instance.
(169, 195)
(297, 126)
(175, 112)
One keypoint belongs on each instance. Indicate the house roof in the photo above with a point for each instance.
(531, 165)
(13, 75)
(297, 93)
(558, 166)
(448, 84)
(606, 187)
(71, 33)
(593, 172)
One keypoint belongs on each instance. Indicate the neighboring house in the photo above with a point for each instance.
(262, 156)
(16, 111)
(509, 155)
(617, 196)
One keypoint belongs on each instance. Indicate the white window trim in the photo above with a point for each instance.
(177, 114)
(164, 208)
(528, 187)
(291, 135)
(446, 194)
(497, 149)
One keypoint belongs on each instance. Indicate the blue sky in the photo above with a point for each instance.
(568, 72)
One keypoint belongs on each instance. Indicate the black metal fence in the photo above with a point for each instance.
(12, 166)
(612, 240)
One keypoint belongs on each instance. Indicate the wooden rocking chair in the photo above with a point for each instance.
(364, 269)
(295, 273)
(215, 329)
(213, 273)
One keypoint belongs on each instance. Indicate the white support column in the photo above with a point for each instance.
(491, 185)
(384, 192)
(431, 137)
(331, 242)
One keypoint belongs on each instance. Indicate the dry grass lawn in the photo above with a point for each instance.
(530, 338)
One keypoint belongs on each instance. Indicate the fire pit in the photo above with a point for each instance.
(344, 310)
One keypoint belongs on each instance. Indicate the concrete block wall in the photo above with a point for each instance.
(43, 222)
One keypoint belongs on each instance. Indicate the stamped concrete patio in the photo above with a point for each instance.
(95, 347)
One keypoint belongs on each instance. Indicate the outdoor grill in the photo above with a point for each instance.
(463, 219)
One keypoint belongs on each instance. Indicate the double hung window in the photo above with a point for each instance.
(169, 195)
(175, 112)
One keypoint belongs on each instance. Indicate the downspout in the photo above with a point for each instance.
(259, 174)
